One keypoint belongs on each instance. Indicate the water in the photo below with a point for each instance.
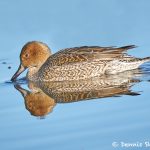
(87, 124)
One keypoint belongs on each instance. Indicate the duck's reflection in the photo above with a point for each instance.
(37, 103)
(43, 96)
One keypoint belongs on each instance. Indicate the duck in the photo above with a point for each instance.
(76, 63)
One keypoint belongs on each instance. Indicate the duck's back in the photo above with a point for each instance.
(81, 62)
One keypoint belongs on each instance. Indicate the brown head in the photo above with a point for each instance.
(33, 55)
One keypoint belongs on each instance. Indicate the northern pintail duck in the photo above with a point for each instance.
(74, 63)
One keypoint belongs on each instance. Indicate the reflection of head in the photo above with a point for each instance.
(39, 104)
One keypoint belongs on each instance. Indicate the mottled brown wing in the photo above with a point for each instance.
(85, 53)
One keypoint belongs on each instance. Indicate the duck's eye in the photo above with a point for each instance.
(26, 55)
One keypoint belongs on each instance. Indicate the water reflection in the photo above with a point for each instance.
(43, 96)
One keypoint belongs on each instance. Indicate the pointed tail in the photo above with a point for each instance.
(128, 47)
(146, 59)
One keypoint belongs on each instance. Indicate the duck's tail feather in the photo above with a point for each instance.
(146, 59)
(125, 48)
(128, 47)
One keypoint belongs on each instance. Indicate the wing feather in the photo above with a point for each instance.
(86, 53)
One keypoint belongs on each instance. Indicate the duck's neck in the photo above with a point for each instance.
(32, 74)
